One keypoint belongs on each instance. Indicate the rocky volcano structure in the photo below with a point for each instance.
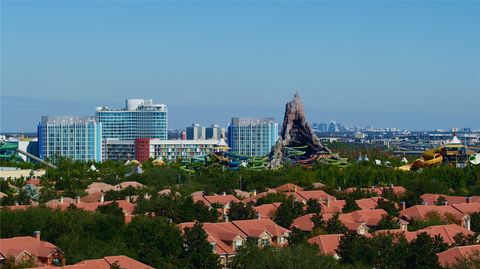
(297, 142)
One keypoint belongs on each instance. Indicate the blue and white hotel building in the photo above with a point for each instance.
(252, 136)
(73, 137)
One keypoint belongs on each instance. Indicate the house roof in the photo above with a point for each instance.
(327, 243)
(267, 211)
(252, 227)
(318, 195)
(104, 263)
(431, 198)
(398, 190)
(216, 199)
(99, 187)
(420, 212)
(447, 232)
(127, 184)
(467, 208)
(33, 181)
(17, 245)
(333, 206)
(450, 257)
(289, 187)
(304, 222)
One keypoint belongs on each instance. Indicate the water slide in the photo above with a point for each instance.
(429, 158)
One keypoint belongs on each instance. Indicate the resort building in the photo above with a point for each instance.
(252, 136)
(142, 149)
(139, 119)
(76, 138)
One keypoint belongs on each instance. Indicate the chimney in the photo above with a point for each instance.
(61, 200)
(259, 216)
(16, 203)
(403, 205)
(254, 193)
(145, 196)
(295, 189)
(36, 235)
(339, 188)
(77, 200)
(224, 210)
(469, 199)
(224, 193)
(445, 202)
(391, 185)
(225, 218)
(127, 198)
(466, 223)
(328, 202)
(102, 198)
(403, 225)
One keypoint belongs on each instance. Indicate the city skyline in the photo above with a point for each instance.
(398, 64)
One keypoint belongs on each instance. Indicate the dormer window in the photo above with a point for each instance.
(213, 246)
(238, 243)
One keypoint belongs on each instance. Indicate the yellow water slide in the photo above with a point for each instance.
(430, 157)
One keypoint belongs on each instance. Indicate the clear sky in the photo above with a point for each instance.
(390, 64)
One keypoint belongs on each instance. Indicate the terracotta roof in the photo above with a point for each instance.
(16, 245)
(430, 198)
(56, 202)
(251, 227)
(267, 211)
(127, 184)
(104, 263)
(289, 187)
(304, 222)
(241, 194)
(255, 198)
(327, 243)
(318, 185)
(213, 199)
(318, 195)
(16, 207)
(33, 181)
(450, 257)
(332, 206)
(99, 187)
(467, 208)
(368, 203)
(92, 197)
(420, 212)
(447, 232)
(398, 190)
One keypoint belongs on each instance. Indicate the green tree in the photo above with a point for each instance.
(350, 205)
(154, 241)
(287, 212)
(475, 222)
(389, 206)
(197, 251)
(241, 211)
(111, 208)
(313, 206)
(422, 252)
(335, 226)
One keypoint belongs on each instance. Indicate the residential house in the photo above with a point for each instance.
(447, 213)
(327, 243)
(24, 248)
(107, 262)
(450, 257)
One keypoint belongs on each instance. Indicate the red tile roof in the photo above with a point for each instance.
(266, 211)
(104, 263)
(318, 195)
(16, 245)
(289, 187)
(327, 243)
(420, 212)
(450, 257)
(431, 199)
(447, 232)
(467, 208)
(252, 227)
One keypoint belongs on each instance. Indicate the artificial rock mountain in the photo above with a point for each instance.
(297, 142)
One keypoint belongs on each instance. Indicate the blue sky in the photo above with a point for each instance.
(404, 64)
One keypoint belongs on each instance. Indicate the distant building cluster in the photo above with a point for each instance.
(140, 131)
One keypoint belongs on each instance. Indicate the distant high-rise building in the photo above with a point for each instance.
(323, 127)
(252, 136)
(214, 132)
(139, 119)
(195, 132)
(76, 138)
(332, 127)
